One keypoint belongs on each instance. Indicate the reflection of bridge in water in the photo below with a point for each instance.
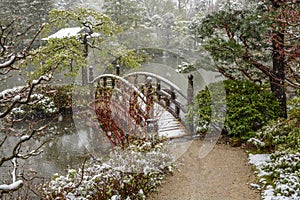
(140, 103)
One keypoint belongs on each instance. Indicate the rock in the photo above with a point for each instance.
(235, 142)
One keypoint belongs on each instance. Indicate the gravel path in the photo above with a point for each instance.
(222, 175)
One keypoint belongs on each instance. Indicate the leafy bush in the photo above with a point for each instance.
(128, 174)
(249, 107)
(283, 134)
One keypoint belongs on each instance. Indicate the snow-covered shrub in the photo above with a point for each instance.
(129, 173)
(45, 102)
(185, 67)
(41, 106)
(284, 174)
(279, 175)
(280, 134)
(62, 97)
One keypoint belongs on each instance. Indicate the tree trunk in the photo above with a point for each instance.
(277, 81)
(84, 68)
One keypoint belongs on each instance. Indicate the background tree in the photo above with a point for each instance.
(157, 7)
(126, 13)
(71, 53)
(255, 44)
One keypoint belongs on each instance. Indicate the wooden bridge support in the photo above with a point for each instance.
(149, 93)
(112, 124)
(134, 109)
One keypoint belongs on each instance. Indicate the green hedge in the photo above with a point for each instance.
(249, 107)
(281, 134)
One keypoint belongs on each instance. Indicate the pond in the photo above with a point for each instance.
(65, 147)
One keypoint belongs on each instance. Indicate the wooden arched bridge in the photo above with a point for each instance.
(139, 103)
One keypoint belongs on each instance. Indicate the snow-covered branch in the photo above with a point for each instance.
(16, 184)
(8, 62)
(4, 188)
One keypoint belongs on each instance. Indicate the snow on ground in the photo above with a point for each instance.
(259, 161)
(282, 167)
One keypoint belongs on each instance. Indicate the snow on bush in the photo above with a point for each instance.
(279, 174)
(127, 174)
(43, 106)
(256, 142)
(9, 93)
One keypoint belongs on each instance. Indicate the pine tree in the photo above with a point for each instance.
(258, 41)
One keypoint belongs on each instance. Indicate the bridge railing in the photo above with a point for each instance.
(136, 103)
(168, 94)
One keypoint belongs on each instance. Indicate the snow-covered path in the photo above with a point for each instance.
(223, 175)
(169, 126)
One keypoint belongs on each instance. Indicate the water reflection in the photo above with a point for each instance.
(66, 147)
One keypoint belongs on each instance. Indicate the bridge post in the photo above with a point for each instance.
(118, 70)
(104, 81)
(158, 87)
(113, 82)
(190, 96)
(173, 98)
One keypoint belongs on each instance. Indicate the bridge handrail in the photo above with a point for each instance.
(174, 101)
(166, 81)
(140, 94)
(163, 93)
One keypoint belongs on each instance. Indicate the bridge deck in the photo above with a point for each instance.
(168, 125)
